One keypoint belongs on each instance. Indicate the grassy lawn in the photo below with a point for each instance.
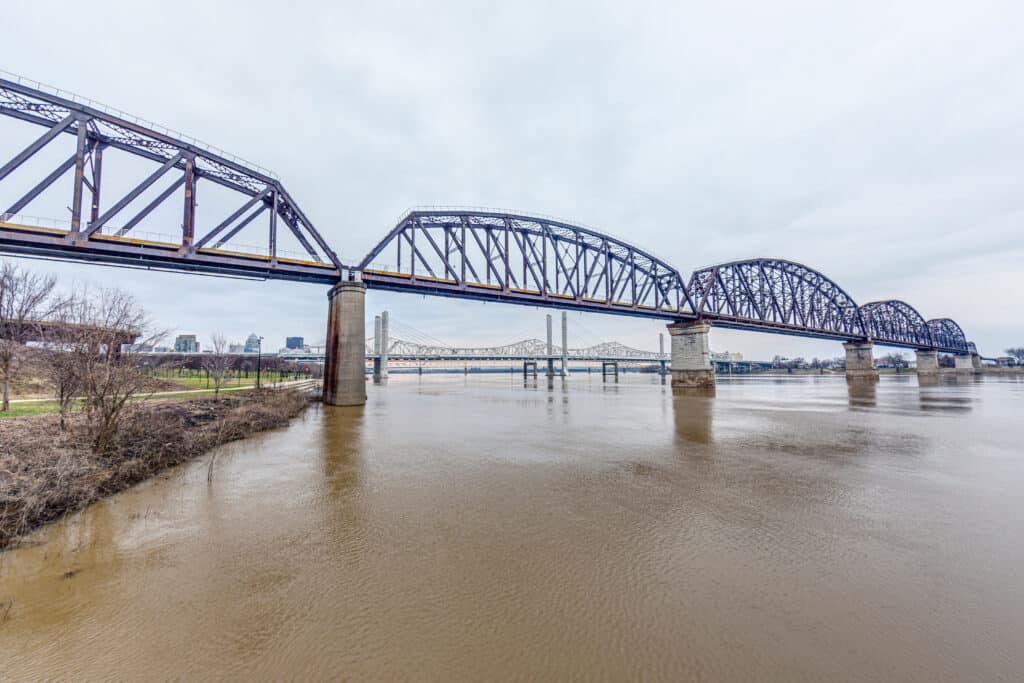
(195, 379)
(48, 407)
(31, 408)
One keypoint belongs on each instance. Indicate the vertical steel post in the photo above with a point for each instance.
(76, 200)
(97, 177)
(188, 223)
(273, 231)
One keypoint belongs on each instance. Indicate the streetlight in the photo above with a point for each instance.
(259, 359)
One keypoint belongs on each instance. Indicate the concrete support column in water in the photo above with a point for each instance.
(860, 361)
(963, 364)
(691, 355)
(927, 362)
(344, 376)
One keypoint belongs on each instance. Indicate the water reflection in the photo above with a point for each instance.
(693, 410)
(342, 443)
(862, 393)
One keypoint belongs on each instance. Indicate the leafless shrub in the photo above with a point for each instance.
(103, 322)
(218, 364)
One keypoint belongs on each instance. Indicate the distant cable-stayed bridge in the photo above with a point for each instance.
(526, 349)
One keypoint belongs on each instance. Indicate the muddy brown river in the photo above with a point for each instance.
(790, 528)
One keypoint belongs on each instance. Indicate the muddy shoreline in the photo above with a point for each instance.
(46, 474)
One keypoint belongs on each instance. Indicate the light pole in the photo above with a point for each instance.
(259, 359)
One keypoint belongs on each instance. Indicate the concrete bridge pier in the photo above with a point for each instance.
(860, 361)
(691, 365)
(927, 362)
(976, 362)
(963, 365)
(344, 361)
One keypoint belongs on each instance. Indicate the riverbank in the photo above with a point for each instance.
(46, 473)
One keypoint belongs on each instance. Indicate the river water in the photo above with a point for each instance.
(475, 528)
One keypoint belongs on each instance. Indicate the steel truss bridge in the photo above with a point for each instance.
(478, 254)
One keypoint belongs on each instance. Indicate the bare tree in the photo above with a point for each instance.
(1017, 354)
(57, 360)
(26, 298)
(218, 363)
(104, 322)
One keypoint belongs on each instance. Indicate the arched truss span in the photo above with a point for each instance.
(765, 294)
(947, 336)
(106, 221)
(523, 259)
(896, 322)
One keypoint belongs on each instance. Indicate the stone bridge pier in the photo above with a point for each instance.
(345, 355)
(690, 364)
(964, 364)
(927, 362)
(860, 361)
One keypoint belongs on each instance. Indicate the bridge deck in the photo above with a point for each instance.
(34, 240)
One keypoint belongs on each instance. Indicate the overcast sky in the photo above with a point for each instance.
(880, 143)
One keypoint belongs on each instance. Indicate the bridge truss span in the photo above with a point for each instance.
(896, 322)
(775, 295)
(947, 336)
(523, 259)
(104, 225)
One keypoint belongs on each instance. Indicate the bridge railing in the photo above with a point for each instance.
(121, 114)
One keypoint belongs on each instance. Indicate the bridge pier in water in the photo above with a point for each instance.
(345, 357)
(964, 364)
(860, 361)
(927, 362)
(691, 365)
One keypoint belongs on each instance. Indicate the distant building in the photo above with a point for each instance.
(186, 343)
(726, 356)
(294, 343)
(252, 344)
(162, 349)
(236, 348)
